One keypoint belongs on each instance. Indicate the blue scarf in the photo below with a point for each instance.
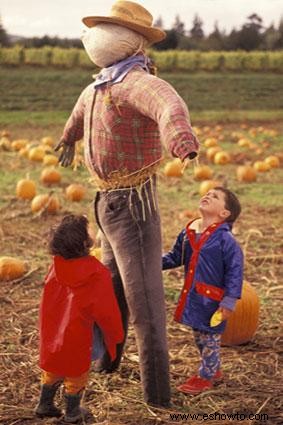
(117, 72)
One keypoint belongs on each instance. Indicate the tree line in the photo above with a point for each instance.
(252, 35)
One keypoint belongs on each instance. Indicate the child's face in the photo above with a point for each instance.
(213, 204)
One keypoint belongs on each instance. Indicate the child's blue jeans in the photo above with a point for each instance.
(209, 348)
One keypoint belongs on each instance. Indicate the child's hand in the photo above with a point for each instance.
(225, 313)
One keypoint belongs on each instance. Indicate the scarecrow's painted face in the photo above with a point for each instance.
(107, 43)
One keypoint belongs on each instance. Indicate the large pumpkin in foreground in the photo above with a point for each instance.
(243, 322)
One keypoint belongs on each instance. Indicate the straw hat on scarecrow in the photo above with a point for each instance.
(127, 31)
(130, 15)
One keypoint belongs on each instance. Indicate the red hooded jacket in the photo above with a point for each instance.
(78, 293)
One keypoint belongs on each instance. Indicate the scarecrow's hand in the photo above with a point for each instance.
(187, 160)
(67, 155)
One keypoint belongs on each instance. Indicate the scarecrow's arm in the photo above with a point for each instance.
(158, 100)
(73, 131)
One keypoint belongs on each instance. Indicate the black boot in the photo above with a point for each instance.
(46, 406)
(74, 412)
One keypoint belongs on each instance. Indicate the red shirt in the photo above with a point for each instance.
(77, 293)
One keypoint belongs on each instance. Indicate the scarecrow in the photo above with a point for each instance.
(126, 116)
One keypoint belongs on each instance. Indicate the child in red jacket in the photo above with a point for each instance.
(78, 297)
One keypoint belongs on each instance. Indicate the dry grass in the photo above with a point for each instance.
(253, 372)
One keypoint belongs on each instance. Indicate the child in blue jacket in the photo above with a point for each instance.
(213, 263)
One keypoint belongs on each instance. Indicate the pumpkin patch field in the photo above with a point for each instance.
(36, 192)
(35, 196)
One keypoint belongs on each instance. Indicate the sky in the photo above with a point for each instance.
(63, 17)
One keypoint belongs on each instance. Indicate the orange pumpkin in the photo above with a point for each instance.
(207, 185)
(17, 145)
(174, 168)
(75, 192)
(211, 141)
(243, 322)
(261, 166)
(273, 161)
(36, 153)
(243, 142)
(197, 131)
(202, 172)
(24, 152)
(222, 158)
(49, 203)
(50, 175)
(211, 152)
(5, 144)
(11, 268)
(50, 159)
(246, 173)
(49, 141)
(26, 189)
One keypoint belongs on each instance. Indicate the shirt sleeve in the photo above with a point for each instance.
(228, 302)
(157, 99)
(74, 128)
(233, 267)
(175, 257)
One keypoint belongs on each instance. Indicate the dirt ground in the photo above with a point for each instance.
(252, 373)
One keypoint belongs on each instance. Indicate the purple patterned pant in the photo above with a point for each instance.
(209, 348)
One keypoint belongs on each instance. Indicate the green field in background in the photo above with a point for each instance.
(32, 92)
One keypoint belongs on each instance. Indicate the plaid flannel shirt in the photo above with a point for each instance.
(125, 124)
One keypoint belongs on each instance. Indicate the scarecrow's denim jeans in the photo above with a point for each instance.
(131, 247)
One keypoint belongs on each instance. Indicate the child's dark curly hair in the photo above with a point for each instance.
(70, 239)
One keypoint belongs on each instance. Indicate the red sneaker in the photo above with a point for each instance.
(218, 376)
(195, 385)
